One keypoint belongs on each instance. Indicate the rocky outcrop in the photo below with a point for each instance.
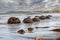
(13, 20)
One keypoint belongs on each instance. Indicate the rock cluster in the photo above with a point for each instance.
(14, 20)
(45, 17)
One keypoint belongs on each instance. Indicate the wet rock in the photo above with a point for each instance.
(57, 30)
(21, 31)
(37, 16)
(36, 19)
(13, 20)
(28, 20)
(42, 17)
(30, 29)
(48, 17)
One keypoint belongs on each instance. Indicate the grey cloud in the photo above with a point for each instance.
(23, 5)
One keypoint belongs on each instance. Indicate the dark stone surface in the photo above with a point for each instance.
(57, 30)
(21, 31)
(42, 17)
(28, 20)
(36, 19)
(13, 20)
(37, 16)
(48, 17)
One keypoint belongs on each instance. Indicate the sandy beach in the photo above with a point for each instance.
(9, 32)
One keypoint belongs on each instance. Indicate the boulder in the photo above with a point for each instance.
(28, 20)
(42, 17)
(48, 17)
(36, 19)
(37, 16)
(13, 20)
(21, 31)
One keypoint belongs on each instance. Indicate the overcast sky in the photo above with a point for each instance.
(27, 5)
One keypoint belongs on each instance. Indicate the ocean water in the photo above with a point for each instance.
(9, 32)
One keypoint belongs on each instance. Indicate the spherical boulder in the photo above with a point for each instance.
(28, 20)
(36, 19)
(21, 31)
(48, 17)
(13, 20)
(42, 17)
(30, 29)
(37, 16)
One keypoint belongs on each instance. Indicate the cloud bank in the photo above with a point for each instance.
(28, 5)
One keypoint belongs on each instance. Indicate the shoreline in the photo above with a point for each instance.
(37, 14)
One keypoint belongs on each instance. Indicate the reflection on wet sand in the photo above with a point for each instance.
(13, 27)
(56, 30)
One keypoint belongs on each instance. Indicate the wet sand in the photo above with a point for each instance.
(10, 31)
